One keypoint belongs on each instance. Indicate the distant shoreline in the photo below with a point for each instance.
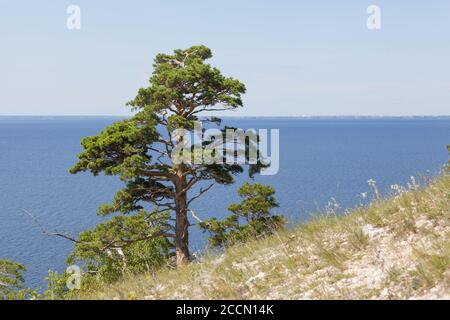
(346, 117)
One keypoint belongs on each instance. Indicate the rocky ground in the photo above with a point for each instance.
(397, 248)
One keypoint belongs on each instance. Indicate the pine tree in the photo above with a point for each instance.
(249, 219)
(11, 279)
(182, 88)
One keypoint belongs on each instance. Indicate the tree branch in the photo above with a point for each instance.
(202, 191)
(50, 234)
(195, 216)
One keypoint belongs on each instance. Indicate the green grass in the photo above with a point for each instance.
(432, 268)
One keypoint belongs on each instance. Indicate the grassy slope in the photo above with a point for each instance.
(395, 249)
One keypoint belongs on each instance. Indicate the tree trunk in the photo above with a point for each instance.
(181, 225)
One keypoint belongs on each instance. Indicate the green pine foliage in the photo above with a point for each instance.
(11, 279)
(249, 219)
(182, 89)
(448, 148)
(125, 244)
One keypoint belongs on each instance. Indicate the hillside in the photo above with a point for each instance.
(398, 248)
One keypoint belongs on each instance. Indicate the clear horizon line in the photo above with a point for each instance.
(237, 116)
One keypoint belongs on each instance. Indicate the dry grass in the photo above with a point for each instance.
(394, 249)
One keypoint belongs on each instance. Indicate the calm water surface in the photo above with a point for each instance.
(319, 159)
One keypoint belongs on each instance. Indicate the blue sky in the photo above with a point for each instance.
(296, 57)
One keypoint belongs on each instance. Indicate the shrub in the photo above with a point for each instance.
(249, 219)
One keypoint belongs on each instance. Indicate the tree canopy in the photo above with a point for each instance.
(250, 218)
(11, 279)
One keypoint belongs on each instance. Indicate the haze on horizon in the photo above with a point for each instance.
(295, 58)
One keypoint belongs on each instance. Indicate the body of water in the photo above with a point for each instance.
(319, 159)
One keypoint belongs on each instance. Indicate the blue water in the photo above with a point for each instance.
(319, 159)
